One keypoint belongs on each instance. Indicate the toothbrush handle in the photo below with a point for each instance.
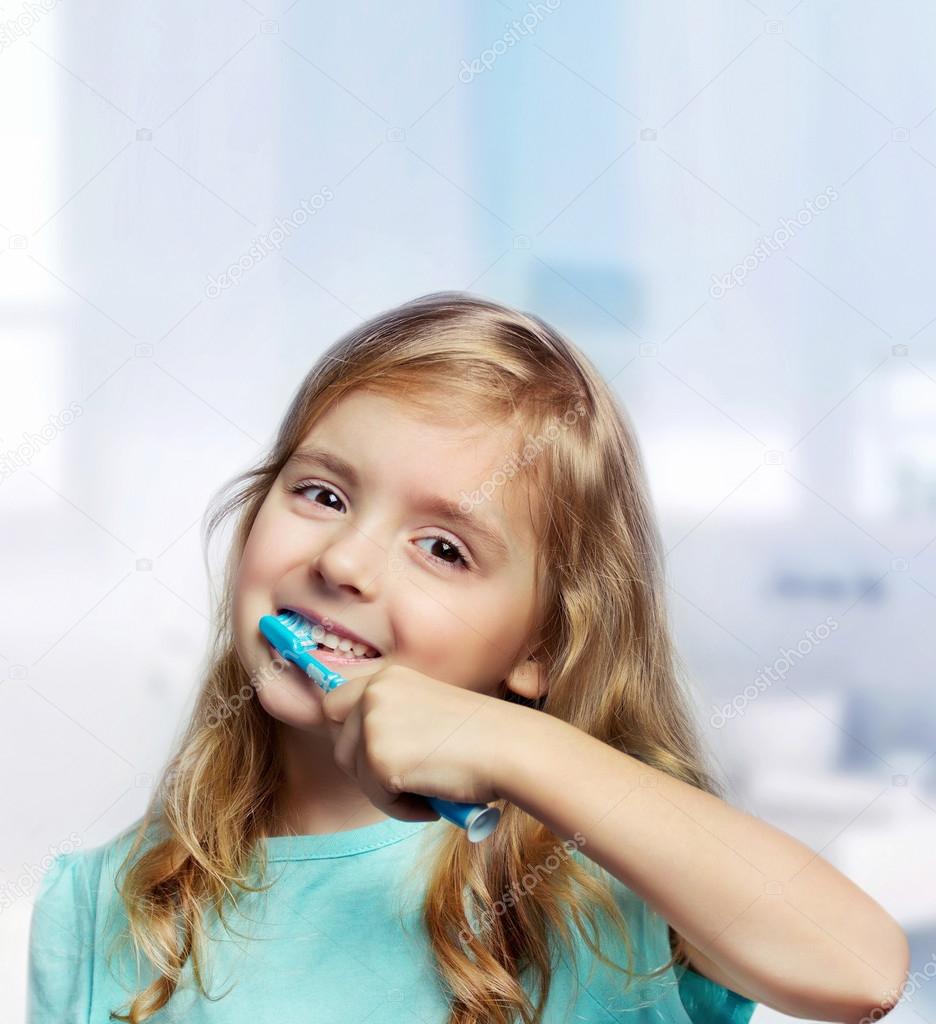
(479, 820)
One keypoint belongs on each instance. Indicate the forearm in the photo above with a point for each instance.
(788, 928)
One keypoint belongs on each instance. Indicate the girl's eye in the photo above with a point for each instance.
(307, 486)
(449, 546)
(453, 548)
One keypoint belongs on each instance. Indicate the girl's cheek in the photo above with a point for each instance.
(262, 554)
(447, 645)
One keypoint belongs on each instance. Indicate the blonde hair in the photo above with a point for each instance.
(603, 643)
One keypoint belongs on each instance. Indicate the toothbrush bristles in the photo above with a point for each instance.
(300, 628)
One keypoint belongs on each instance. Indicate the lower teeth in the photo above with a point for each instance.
(346, 654)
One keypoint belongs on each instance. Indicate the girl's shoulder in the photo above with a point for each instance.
(76, 900)
(76, 878)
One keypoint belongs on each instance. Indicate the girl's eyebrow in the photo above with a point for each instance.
(449, 510)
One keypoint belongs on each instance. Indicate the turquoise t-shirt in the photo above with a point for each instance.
(337, 938)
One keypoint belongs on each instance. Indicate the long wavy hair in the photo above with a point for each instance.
(604, 646)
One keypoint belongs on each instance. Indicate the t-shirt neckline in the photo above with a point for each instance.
(342, 844)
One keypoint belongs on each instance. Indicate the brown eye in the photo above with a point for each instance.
(305, 486)
(449, 548)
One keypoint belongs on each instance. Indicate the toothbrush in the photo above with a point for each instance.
(291, 636)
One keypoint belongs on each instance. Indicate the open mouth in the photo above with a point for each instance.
(329, 646)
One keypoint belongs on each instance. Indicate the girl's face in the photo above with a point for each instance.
(362, 546)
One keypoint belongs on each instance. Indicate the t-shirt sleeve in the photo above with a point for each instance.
(703, 1000)
(707, 1002)
(61, 944)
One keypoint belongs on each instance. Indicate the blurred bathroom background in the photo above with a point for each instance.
(725, 204)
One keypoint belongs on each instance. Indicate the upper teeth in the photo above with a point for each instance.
(340, 643)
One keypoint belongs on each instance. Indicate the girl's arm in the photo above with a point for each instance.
(762, 913)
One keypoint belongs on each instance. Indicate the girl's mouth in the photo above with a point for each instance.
(331, 649)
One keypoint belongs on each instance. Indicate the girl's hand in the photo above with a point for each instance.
(399, 732)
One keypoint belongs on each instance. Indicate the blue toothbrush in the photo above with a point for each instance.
(292, 637)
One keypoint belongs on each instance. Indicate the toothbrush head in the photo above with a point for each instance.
(291, 636)
(300, 628)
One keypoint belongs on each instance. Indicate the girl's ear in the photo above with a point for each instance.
(527, 680)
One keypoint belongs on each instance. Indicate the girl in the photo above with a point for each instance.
(457, 498)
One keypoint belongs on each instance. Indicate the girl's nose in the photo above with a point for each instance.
(350, 559)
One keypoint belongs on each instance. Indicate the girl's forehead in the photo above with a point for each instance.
(434, 408)
(455, 431)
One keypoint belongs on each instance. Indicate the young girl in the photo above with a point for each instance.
(456, 497)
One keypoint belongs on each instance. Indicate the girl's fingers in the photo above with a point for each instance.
(405, 806)
(350, 754)
(348, 743)
(339, 701)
